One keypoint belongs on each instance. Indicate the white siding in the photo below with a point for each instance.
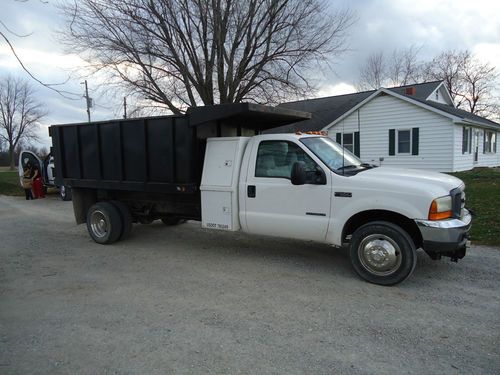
(386, 112)
(464, 162)
(442, 96)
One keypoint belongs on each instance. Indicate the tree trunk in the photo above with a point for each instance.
(11, 159)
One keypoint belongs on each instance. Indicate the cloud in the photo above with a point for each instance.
(335, 89)
(436, 26)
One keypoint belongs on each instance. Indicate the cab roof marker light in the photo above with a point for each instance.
(321, 132)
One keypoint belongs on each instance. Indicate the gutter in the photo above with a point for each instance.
(477, 124)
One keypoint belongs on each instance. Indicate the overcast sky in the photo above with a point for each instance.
(435, 25)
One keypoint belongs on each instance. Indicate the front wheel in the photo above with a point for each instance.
(383, 253)
(65, 193)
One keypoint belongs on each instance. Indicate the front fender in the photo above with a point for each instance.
(344, 208)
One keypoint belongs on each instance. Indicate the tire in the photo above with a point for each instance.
(65, 193)
(104, 223)
(126, 217)
(169, 221)
(383, 253)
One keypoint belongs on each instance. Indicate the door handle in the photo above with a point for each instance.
(251, 191)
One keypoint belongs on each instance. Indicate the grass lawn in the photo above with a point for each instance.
(482, 189)
(9, 183)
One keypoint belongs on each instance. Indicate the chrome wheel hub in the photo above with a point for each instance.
(379, 254)
(98, 224)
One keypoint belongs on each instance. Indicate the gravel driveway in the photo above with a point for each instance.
(191, 301)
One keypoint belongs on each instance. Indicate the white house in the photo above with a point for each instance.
(415, 126)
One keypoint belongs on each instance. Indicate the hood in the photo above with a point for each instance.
(436, 183)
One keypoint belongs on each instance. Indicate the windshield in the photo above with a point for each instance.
(332, 154)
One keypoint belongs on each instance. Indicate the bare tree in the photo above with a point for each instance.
(373, 73)
(20, 114)
(181, 53)
(447, 67)
(401, 68)
(404, 67)
(470, 82)
(479, 80)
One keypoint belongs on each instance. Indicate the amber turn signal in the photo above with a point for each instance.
(440, 209)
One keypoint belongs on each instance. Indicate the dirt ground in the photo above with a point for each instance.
(185, 300)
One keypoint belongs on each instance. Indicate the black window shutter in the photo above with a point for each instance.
(495, 144)
(414, 141)
(339, 138)
(470, 141)
(356, 144)
(464, 140)
(392, 141)
(484, 142)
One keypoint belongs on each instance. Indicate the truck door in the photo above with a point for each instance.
(28, 156)
(273, 206)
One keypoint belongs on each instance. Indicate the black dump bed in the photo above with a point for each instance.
(154, 154)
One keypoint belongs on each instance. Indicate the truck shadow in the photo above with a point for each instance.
(295, 256)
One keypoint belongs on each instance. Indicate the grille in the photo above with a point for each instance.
(458, 201)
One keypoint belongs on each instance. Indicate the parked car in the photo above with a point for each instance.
(46, 166)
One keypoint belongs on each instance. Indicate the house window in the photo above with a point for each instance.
(404, 141)
(490, 141)
(466, 140)
(348, 141)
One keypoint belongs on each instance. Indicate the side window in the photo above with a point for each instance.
(276, 158)
(404, 141)
(348, 141)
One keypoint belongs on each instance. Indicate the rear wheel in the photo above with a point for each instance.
(126, 217)
(104, 223)
(383, 253)
(65, 193)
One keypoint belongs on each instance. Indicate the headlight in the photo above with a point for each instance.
(441, 208)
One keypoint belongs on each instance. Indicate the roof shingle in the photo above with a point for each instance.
(328, 109)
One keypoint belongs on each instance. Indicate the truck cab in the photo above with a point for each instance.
(308, 187)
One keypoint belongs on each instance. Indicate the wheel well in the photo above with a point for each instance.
(83, 199)
(364, 217)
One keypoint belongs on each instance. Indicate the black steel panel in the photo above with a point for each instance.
(161, 150)
(184, 150)
(70, 152)
(154, 154)
(89, 152)
(133, 151)
(57, 153)
(110, 151)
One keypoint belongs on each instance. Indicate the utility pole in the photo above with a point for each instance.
(124, 107)
(89, 100)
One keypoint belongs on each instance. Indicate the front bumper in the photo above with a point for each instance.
(446, 237)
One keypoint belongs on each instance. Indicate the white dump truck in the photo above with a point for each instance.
(302, 186)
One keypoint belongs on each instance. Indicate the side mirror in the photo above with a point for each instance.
(320, 176)
(298, 176)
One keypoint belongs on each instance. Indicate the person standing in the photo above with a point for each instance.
(37, 183)
(27, 182)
